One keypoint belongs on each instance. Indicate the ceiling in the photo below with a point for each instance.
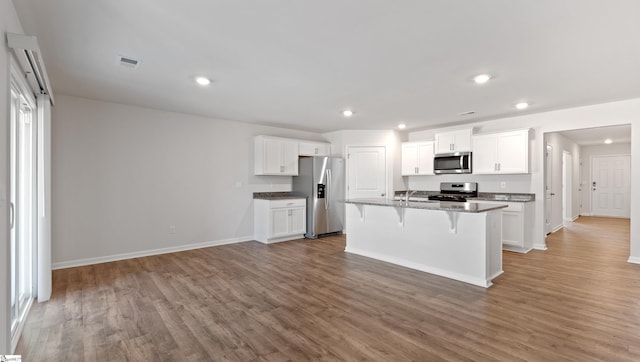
(597, 136)
(299, 63)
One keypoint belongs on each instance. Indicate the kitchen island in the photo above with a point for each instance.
(457, 240)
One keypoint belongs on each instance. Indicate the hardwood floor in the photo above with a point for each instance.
(308, 300)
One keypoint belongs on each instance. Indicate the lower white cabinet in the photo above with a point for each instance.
(279, 220)
(517, 225)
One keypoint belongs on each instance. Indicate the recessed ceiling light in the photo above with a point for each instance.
(203, 81)
(347, 113)
(481, 78)
(402, 126)
(608, 141)
(522, 105)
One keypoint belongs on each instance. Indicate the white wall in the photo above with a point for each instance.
(8, 23)
(607, 114)
(122, 175)
(560, 144)
(587, 152)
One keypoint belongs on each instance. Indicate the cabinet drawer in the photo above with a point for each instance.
(287, 203)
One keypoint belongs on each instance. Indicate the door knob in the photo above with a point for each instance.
(552, 194)
(382, 194)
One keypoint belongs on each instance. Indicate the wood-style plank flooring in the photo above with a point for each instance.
(308, 300)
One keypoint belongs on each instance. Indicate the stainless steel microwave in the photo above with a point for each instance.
(456, 162)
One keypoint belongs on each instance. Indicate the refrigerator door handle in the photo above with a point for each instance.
(329, 188)
(326, 195)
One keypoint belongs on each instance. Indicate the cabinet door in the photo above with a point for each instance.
(425, 158)
(297, 222)
(410, 159)
(513, 152)
(289, 157)
(308, 148)
(462, 141)
(444, 142)
(484, 156)
(512, 228)
(279, 222)
(272, 156)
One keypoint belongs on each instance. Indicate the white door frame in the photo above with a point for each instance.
(567, 186)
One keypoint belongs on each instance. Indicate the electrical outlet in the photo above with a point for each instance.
(503, 185)
(172, 229)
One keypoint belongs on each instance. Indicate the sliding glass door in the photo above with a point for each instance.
(22, 198)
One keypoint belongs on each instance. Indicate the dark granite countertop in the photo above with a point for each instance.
(482, 196)
(277, 196)
(430, 205)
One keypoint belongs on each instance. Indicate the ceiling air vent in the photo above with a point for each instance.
(128, 62)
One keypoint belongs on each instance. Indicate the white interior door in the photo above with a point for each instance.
(367, 172)
(548, 191)
(611, 185)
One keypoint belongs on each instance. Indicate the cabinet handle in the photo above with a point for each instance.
(498, 166)
(289, 212)
(416, 170)
(316, 150)
(281, 168)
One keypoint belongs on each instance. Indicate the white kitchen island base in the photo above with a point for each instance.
(465, 246)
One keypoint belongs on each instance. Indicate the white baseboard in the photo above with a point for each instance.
(540, 246)
(138, 254)
(634, 260)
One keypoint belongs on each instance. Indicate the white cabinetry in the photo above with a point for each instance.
(517, 229)
(453, 141)
(417, 158)
(501, 153)
(279, 220)
(310, 148)
(276, 156)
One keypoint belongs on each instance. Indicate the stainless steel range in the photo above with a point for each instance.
(456, 191)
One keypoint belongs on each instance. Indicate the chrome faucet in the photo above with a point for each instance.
(407, 195)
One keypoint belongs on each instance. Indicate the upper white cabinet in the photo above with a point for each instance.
(417, 158)
(453, 141)
(310, 148)
(276, 156)
(501, 153)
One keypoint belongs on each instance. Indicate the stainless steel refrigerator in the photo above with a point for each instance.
(321, 180)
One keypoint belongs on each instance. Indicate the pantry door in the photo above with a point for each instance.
(367, 172)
